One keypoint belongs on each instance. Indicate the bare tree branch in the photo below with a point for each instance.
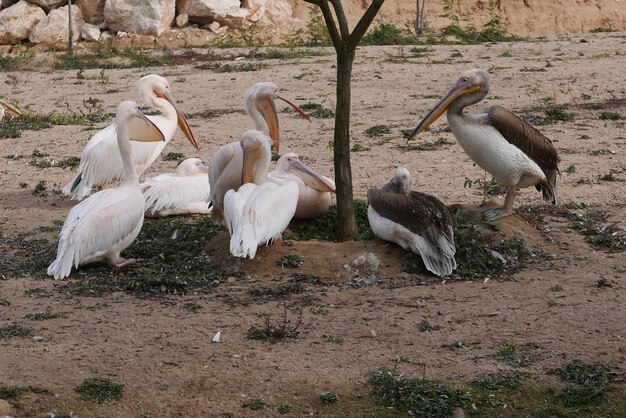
(329, 19)
(364, 23)
(341, 19)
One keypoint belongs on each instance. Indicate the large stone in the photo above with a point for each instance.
(140, 16)
(7, 3)
(49, 4)
(225, 12)
(54, 29)
(90, 32)
(93, 10)
(17, 22)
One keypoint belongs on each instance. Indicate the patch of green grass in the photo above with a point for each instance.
(280, 330)
(315, 33)
(328, 397)
(570, 169)
(317, 111)
(291, 53)
(517, 355)
(281, 291)
(610, 116)
(507, 380)
(419, 397)
(558, 113)
(324, 228)
(10, 62)
(424, 146)
(238, 68)
(585, 96)
(69, 162)
(426, 326)
(419, 52)
(549, 412)
(291, 261)
(589, 374)
(107, 57)
(601, 30)
(13, 127)
(45, 315)
(582, 395)
(7, 392)
(377, 130)
(492, 32)
(100, 390)
(192, 307)
(387, 34)
(359, 148)
(40, 188)
(255, 404)
(15, 330)
(284, 408)
(173, 156)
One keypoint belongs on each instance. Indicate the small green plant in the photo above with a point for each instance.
(558, 113)
(317, 111)
(507, 380)
(492, 32)
(99, 390)
(571, 169)
(173, 156)
(426, 326)
(387, 34)
(291, 53)
(7, 392)
(40, 188)
(585, 96)
(582, 395)
(517, 355)
(377, 130)
(254, 404)
(328, 397)
(610, 116)
(10, 62)
(610, 176)
(602, 283)
(279, 331)
(284, 408)
(359, 148)
(192, 307)
(15, 330)
(241, 68)
(45, 315)
(418, 397)
(291, 261)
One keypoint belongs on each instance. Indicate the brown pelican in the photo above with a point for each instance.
(413, 220)
(106, 223)
(100, 161)
(259, 211)
(182, 193)
(315, 189)
(226, 164)
(511, 150)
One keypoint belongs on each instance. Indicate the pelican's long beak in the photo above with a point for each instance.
(268, 109)
(150, 132)
(311, 177)
(182, 121)
(247, 168)
(459, 89)
(203, 168)
(10, 108)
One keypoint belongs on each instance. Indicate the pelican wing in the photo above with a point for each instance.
(525, 137)
(420, 213)
(174, 192)
(95, 226)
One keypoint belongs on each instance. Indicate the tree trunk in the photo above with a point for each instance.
(343, 170)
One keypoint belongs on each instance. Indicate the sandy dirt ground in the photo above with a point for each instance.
(161, 350)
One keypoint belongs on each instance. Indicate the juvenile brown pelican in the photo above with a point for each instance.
(315, 189)
(413, 220)
(107, 222)
(511, 150)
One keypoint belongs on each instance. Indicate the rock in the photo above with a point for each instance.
(225, 12)
(182, 20)
(139, 16)
(93, 10)
(54, 29)
(7, 3)
(106, 35)
(49, 4)
(5, 408)
(90, 32)
(17, 22)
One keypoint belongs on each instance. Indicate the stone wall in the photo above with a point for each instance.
(46, 21)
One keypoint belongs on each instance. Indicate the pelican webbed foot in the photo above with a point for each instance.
(123, 262)
(493, 214)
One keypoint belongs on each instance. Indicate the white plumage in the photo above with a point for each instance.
(181, 193)
(103, 225)
(100, 161)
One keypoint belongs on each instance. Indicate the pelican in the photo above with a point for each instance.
(511, 150)
(106, 223)
(100, 161)
(181, 193)
(259, 211)
(226, 164)
(413, 220)
(314, 189)
(6, 107)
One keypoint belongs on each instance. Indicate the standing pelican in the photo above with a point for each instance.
(106, 223)
(259, 211)
(511, 150)
(413, 220)
(314, 189)
(100, 161)
(226, 164)
(181, 193)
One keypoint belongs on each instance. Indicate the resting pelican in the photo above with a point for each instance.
(100, 161)
(413, 220)
(103, 225)
(259, 211)
(511, 150)
(314, 189)
(226, 164)
(182, 193)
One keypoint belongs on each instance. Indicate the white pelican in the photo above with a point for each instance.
(259, 211)
(314, 189)
(226, 164)
(103, 225)
(181, 193)
(511, 150)
(413, 220)
(100, 161)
